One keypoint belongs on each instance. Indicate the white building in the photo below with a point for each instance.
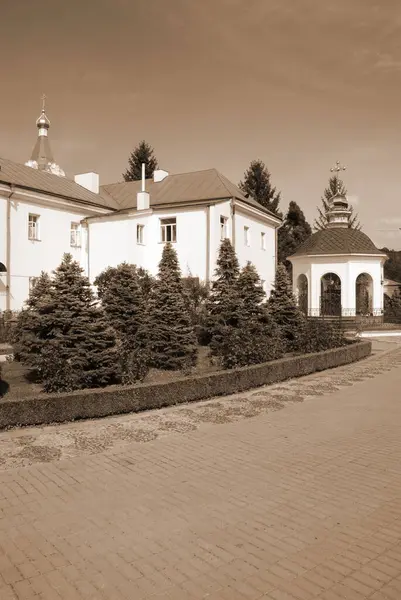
(339, 271)
(43, 215)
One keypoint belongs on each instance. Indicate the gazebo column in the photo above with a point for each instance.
(349, 294)
(314, 286)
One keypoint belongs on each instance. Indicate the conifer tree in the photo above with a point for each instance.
(123, 300)
(292, 233)
(224, 304)
(143, 153)
(336, 186)
(257, 184)
(170, 331)
(257, 338)
(285, 311)
(29, 332)
(80, 349)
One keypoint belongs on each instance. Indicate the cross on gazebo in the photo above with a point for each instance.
(44, 97)
(337, 168)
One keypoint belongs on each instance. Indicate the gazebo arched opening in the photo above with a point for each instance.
(330, 295)
(364, 295)
(302, 293)
(3, 268)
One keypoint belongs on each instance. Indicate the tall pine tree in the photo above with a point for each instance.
(170, 331)
(292, 233)
(336, 186)
(285, 311)
(256, 338)
(80, 348)
(143, 153)
(257, 184)
(223, 305)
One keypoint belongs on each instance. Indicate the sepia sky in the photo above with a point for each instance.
(215, 83)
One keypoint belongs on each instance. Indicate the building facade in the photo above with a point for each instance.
(44, 214)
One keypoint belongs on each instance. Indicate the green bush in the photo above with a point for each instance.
(321, 335)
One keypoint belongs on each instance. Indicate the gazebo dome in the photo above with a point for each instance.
(338, 241)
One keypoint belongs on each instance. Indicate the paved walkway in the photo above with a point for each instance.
(228, 499)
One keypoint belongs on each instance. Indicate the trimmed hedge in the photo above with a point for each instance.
(58, 408)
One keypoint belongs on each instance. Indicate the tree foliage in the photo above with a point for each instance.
(293, 232)
(77, 345)
(143, 153)
(170, 330)
(336, 186)
(257, 184)
(392, 266)
(285, 311)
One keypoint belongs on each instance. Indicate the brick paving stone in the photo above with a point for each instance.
(296, 504)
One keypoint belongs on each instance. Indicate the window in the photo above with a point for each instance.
(33, 227)
(32, 283)
(223, 227)
(263, 241)
(139, 234)
(75, 235)
(246, 236)
(168, 230)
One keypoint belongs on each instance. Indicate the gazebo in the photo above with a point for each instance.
(338, 271)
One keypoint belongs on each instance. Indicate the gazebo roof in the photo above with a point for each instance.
(337, 241)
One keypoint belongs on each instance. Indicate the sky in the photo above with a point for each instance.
(298, 84)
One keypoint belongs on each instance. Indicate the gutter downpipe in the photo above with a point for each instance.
(8, 249)
(232, 203)
(208, 236)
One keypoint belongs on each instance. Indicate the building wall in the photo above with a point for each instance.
(263, 259)
(348, 268)
(113, 241)
(28, 257)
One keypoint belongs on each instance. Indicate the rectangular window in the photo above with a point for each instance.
(223, 228)
(33, 227)
(168, 230)
(32, 283)
(247, 241)
(75, 235)
(139, 234)
(263, 241)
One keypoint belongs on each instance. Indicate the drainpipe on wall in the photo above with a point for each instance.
(233, 221)
(8, 249)
(208, 236)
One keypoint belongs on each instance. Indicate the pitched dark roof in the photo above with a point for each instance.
(338, 241)
(42, 153)
(181, 188)
(41, 181)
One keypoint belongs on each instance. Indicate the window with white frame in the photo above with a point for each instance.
(263, 240)
(223, 227)
(33, 227)
(140, 230)
(32, 283)
(168, 230)
(75, 235)
(247, 239)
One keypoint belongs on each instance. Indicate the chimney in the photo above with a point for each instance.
(90, 181)
(159, 175)
(143, 197)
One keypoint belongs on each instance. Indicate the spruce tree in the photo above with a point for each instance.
(285, 311)
(143, 153)
(336, 186)
(29, 332)
(123, 301)
(80, 350)
(170, 332)
(224, 304)
(257, 338)
(292, 233)
(257, 184)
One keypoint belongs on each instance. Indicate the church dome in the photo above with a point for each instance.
(338, 241)
(43, 120)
